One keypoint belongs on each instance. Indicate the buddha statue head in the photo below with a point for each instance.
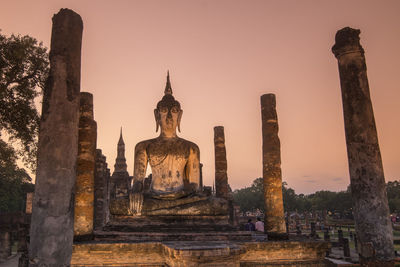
(168, 113)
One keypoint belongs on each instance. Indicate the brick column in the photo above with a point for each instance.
(275, 225)
(370, 204)
(221, 177)
(101, 190)
(84, 187)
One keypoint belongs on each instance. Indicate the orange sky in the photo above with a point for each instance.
(222, 56)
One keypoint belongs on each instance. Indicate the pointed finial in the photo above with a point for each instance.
(168, 88)
(121, 140)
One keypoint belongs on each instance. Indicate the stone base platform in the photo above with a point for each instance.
(200, 253)
(167, 224)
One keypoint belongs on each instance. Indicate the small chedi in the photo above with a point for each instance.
(174, 189)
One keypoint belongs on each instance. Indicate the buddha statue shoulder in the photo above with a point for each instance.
(174, 161)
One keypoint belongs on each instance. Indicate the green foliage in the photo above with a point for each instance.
(24, 68)
(251, 199)
(320, 200)
(393, 193)
(23, 72)
(14, 181)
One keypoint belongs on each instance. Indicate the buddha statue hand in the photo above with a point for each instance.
(136, 198)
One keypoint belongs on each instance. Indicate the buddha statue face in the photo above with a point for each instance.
(168, 115)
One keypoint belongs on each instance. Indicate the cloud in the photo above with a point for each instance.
(310, 181)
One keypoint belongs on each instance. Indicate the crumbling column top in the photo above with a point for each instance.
(269, 99)
(219, 135)
(86, 105)
(347, 40)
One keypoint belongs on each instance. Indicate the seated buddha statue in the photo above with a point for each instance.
(175, 166)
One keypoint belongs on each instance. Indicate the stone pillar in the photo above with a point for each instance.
(84, 186)
(327, 238)
(5, 245)
(28, 206)
(346, 249)
(340, 236)
(221, 177)
(106, 192)
(370, 204)
(51, 233)
(201, 177)
(313, 230)
(274, 213)
(101, 190)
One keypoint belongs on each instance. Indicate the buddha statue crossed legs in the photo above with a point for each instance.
(174, 189)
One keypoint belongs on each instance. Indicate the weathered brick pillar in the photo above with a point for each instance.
(52, 230)
(101, 190)
(29, 200)
(370, 204)
(221, 177)
(274, 214)
(84, 187)
(106, 191)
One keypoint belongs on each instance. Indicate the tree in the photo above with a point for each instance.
(393, 194)
(290, 199)
(14, 181)
(24, 67)
(250, 198)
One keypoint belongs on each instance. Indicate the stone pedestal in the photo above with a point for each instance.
(221, 177)
(274, 214)
(51, 233)
(84, 187)
(370, 205)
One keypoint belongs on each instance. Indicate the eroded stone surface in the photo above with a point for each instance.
(51, 233)
(84, 187)
(275, 224)
(370, 205)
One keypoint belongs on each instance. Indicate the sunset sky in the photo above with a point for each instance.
(222, 56)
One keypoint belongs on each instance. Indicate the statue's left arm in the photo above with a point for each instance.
(193, 165)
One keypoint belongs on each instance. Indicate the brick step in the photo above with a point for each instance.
(171, 236)
(170, 228)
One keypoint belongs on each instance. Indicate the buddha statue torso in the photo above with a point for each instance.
(174, 164)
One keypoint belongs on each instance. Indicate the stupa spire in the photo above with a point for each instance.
(121, 140)
(120, 161)
(168, 88)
